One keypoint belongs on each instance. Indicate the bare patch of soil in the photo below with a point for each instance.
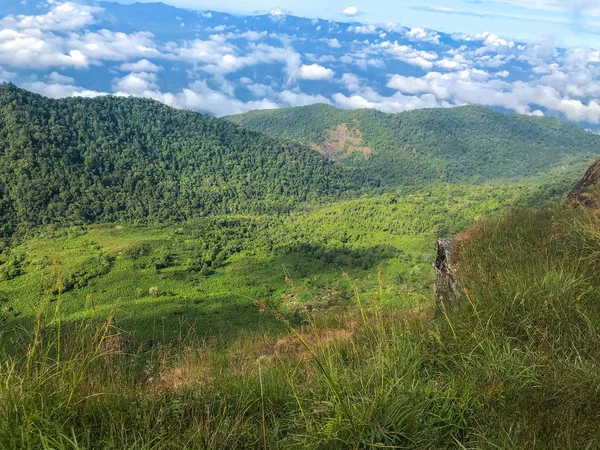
(341, 142)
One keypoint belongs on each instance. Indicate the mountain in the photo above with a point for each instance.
(108, 159)
(470, 143)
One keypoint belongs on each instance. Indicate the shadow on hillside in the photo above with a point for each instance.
(341, 259)
(222, 316)
(179, 321)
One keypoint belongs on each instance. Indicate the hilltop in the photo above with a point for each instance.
(106, 159)
(470, 143)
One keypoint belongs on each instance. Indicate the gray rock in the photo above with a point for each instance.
(587, 191)
(445, 280)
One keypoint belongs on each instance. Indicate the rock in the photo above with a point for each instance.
(587, 191)
(445, 281)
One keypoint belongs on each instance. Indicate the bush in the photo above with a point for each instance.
(162, 259)
(154, 291)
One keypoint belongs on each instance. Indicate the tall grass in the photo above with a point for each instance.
(515, 366)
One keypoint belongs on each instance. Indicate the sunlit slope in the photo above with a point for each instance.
(208, 272)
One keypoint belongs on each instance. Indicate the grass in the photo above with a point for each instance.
(515, 365)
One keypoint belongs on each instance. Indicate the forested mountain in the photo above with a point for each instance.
(107, 159)
(469, 143)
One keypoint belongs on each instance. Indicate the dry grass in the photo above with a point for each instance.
(341, 142)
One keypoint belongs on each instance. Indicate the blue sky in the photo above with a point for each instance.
(569, 23)
(531, 57)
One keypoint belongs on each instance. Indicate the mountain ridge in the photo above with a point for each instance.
(467, 143)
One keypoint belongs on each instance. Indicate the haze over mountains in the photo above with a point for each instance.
(225, 64)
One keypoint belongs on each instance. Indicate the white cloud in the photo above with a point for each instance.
(261, 90)
(315, 72)
(135, 84)
(219, 57)
(351, 81)
(475, 87)
(58, 90)
(350, 11)
(457, 62)
(291, 98)
(279, 13)
(114, 46)
(63, 16)
(209, 51)
(35, 50)
(200, 97)
(408, 54)
(333, 43)
(57, 78)
(420, 34)
(249, 35)
(393, 104)
(363, 29)
(216, 29)
(142, 65)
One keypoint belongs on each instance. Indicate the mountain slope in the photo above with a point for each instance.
(106, 159)
(470, 143)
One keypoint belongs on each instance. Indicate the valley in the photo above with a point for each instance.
(170, 280)
(204, 275)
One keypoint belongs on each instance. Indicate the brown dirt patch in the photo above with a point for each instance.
(341, 142)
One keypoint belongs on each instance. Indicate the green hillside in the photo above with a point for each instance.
(204, 274)
(470, 143)
(514, 365)
(107, 159)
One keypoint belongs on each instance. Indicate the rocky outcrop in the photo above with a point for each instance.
(445, 280)
(587, 191)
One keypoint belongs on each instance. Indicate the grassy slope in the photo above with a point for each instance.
(469, 143)
(515, 366)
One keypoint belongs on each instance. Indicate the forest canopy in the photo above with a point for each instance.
(105, 159)
(465, 144)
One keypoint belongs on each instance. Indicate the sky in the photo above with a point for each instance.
(570, 23)
(535, 57)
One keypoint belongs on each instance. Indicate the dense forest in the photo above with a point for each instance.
(465, 144)
(109, 159)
